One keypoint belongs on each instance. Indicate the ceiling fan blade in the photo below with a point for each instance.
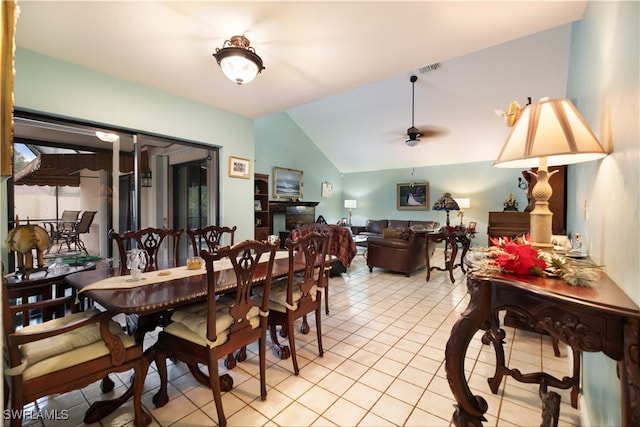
(432, 131)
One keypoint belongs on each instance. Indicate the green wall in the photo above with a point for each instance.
(485, 186)
(604, 84)
(47, 85)
(280, 142)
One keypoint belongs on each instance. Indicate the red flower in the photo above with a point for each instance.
(520, 259)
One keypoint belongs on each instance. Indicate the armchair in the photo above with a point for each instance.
(404, 254)
(64, 353)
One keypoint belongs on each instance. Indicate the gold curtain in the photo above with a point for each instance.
(7, 50)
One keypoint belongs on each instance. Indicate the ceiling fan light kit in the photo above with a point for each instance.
(239, 61)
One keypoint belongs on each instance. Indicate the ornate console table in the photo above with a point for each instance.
(599, 318)
(452, 239)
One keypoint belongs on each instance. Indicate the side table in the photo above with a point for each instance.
(453, 239)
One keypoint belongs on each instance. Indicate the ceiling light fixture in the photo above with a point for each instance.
(238, 60)
(107, 136)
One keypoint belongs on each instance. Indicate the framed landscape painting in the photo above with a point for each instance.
(413, 196)
(287, 183)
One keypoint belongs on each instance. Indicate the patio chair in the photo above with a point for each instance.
(73, 237)
(57, 229)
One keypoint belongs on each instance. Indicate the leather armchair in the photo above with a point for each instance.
(404, 255)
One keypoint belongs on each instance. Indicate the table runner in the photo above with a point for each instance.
(158, 276)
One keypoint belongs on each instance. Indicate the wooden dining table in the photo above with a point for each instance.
(165, 288)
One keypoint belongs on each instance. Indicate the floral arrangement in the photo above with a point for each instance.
(520, 258)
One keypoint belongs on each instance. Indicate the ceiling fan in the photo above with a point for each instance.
(413, 132)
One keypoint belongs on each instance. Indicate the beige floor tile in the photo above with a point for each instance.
(377, 379)
(362, 395)
(392, 409)
(344, 413)
(295, 415)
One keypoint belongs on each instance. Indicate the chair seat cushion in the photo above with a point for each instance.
(68, 349)
(278, 295)
(42, 349)
(190, 323)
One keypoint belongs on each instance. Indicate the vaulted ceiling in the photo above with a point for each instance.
(339, 69)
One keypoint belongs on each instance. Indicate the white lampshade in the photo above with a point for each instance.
(463, 203)
(547, 133)
(553, 129)
(350, 204)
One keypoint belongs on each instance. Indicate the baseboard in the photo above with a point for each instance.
(582, 410)
(582, 402)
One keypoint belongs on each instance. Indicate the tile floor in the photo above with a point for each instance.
(383, 366)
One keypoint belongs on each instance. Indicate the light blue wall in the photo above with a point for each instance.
(50, 86)
(281, 143)
(604, 84)
(486, 186)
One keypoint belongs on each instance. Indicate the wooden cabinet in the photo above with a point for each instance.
(511, 224)
(507, 224)
(261, 206)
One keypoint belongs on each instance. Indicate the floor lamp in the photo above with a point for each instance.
(550, 132)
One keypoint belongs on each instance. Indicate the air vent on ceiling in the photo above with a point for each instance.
(428, 68)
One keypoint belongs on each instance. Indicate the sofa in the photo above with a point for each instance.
(397, 245)
(376, 227)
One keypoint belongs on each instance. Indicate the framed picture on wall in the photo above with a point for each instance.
(413, 196)
(327, 190)
(239, 167)
(287, 183)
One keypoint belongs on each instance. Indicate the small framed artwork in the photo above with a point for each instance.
(472, 226)
(327, 190)
(413, 196)
(239, 167)
(287, 183)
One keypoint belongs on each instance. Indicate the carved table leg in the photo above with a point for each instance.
(452, 261)
(629, 371)
(550, 406)
(427, 257)
(495, 336)
(470, 409)
(280, 350)
(466, 244)
(102, 408)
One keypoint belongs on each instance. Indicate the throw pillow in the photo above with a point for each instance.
(406, 233)
(392, 233)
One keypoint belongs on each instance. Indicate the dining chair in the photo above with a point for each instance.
(150, 240)
(212, 236)
(298, 294)
(65, 350)
(203, 333)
